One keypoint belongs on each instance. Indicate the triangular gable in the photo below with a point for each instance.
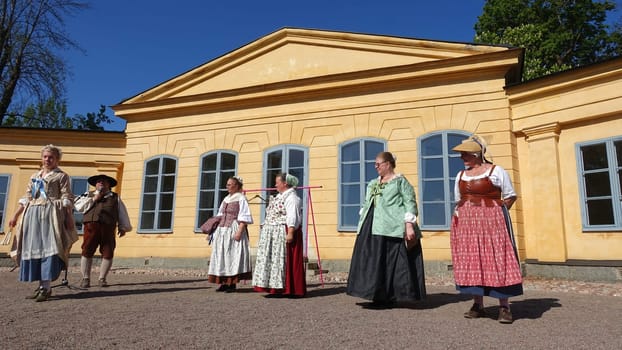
(293, 54)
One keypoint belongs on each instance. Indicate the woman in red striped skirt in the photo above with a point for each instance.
(484, 256)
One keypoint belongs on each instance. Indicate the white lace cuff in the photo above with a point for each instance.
(67, 203)
(410, 217)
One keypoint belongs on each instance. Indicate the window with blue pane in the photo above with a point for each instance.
(290, 159)
(79, 186)
(216, 169)
(4, 190)
(356, 169)
(438, 167)
(600, 167)
(156, 213)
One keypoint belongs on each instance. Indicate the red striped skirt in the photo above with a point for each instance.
(482, 247)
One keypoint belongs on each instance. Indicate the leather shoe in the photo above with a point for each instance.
(85, 283)
(35, 294)
(222, 288)
(102, 282)
(476, 311)
(505, 315)
(43, 295)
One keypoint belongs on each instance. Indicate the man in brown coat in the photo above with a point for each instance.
(104, 213)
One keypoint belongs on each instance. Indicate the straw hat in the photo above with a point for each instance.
(469, 145)
(473, 144)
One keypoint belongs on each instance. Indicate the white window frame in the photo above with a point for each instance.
(77, 216)
(365, 159)
(157, 211)
(3, 204)
(219, 193)
(616, 193)
(447, 177)
(285, 148)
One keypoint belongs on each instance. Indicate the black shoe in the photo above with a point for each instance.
(274, 296)
(378, 305)
(230, 288)
(222, 288)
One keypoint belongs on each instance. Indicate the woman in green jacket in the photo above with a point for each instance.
(387, 261)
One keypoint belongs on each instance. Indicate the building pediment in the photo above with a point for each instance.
(298, 54)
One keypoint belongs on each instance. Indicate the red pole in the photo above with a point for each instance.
(317, 248)
(274, 189)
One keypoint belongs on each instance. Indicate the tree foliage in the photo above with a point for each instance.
(31, 69)
(556, 34)
(52, 114)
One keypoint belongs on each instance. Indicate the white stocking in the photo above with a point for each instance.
(104, 268)
(85, 267)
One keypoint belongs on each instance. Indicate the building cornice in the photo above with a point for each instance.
(360, 82)
(563, 82)
(540, 132)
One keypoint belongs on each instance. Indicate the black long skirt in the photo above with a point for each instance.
(383, 270)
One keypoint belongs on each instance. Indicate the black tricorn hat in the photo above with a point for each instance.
(93, 180)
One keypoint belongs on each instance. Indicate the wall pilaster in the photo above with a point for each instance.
(548, 232)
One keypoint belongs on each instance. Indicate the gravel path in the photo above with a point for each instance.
(179, 309)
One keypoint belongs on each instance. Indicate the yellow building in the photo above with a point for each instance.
(321, 104)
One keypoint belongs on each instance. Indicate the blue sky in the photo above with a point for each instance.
(131, 46)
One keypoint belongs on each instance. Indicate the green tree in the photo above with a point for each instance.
(31, 36)
(556, 34)
(52, 114)
(92, 121)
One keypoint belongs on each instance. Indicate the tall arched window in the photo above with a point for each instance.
(79, 185)
(356, 169)
(291, 159)
(599, 163)
(438, 167)
(4, 190)
(216, 168)
(158, 199)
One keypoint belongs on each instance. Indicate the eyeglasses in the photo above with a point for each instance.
(378, 164)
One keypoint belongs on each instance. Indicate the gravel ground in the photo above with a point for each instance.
(179, 309)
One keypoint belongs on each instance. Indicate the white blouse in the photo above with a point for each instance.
(293, 208)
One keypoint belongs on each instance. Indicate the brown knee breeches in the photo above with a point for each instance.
(96, 234)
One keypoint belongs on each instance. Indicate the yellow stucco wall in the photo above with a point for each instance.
(84, 154)
(397, 117)
(550, 116)
(268, 94)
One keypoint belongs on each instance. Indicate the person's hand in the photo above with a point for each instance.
(121, 233)
(237, 236)
(97, 196)
(290, 237)
(410, 232)
(12, 222)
